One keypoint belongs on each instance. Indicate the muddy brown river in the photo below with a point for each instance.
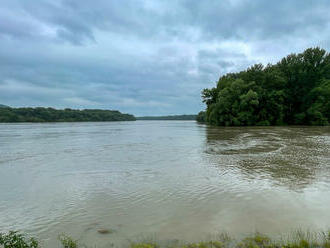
(165, 179)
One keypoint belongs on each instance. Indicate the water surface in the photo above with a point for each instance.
(172, 179)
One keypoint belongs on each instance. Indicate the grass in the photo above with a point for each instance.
(297, 239)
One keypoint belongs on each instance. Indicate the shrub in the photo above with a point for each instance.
(16, 240)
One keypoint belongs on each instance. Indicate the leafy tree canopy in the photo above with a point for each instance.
(295, 91)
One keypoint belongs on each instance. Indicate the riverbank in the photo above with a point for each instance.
(297, 239)
(294, 91)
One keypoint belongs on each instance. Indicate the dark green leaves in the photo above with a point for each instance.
(17, 240)
(296, 90)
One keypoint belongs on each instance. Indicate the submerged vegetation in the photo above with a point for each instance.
(39, 114)
(298, 239)
(295, 91)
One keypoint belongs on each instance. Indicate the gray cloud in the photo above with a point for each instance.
(143, 57)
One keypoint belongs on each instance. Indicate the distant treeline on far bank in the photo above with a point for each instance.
(168, 117)
(39, 114)
(295, 91)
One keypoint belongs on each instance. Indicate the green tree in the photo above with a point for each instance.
(294, 91)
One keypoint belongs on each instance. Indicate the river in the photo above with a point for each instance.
(163, 179)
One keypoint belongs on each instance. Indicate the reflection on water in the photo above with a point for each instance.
(289, 156)
(175, 179)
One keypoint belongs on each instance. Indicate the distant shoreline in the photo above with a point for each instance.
(168, 118)
(51, 115)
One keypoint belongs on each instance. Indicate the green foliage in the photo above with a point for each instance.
(299, 239)
(143, 245)
(168, 117)
(256, 241)
(209, 244)
(201, 117)
(17, 240)
(295, 91)
(66, 115)
(67, 241)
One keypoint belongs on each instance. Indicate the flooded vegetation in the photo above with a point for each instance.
(297, 239)
(106, 183)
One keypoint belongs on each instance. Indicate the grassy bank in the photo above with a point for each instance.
(297, 239)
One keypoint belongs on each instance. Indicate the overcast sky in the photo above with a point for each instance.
(144, 57)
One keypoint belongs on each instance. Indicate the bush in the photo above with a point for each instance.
(17, 240)
(67, 241)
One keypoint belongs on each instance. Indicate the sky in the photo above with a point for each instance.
(144, 57)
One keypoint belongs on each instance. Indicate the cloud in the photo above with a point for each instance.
(144, 57)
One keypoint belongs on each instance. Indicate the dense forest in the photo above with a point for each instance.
(295, 91)
(168, 117)
(8, 114)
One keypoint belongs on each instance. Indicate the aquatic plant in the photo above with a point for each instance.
(143, 245)
(13, 239)
(297, 239)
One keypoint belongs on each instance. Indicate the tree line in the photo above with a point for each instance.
(40, 114)
(168, 117)
(294, 91)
